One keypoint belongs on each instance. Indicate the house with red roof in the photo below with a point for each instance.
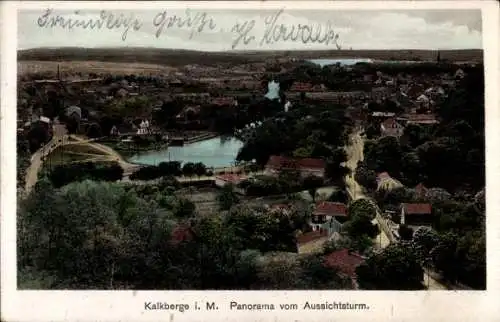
(180, 234)
(224, 101)
(328, 216)
(229, 178)
(327, 210)
(312, 242)
(420, 191)
(421, 119)
(305, 166)
(416, 214)
(301, 87)
(345, 262)
(307, 87)
(391, 127)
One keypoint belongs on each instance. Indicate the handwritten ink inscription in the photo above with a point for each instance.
(242, 30)
(275, 32)
(107, 20)
(244, 33)
(197, 23)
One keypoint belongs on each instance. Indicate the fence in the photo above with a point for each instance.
(383, 225)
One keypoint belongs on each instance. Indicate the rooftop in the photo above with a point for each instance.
(417, 208)
(232, 178)
(181, 233)
(328, 207)
(345, 261)
(311, 236)
(276, 161)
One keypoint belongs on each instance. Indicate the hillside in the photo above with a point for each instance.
(176, 57)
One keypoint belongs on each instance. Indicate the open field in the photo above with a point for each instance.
(155, 60)
(91, 66)
(73, 153)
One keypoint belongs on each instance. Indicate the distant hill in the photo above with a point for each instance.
(175, 57)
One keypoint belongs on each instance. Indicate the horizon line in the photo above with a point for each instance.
(245, 50)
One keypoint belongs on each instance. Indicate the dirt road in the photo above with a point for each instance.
(128, 168)
(354, 154)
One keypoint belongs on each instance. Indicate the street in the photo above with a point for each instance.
(354, 154)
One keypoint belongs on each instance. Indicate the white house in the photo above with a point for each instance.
(144, 128)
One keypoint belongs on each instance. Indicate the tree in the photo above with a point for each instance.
(384, 154)
(362, 208)
(199, 169)
(372, 132)
(405, 232)
(316, 275)
(365, 176)
(279, 271)
(312, 183)
(394, 196)
(444, 256)
(359, 227)
(414, 135)
(472, 249)
(170, 168)
(37, 136)
(412, 169)
(246, 268)
(188, 169)
(395, 268)
(424, 240)
(94, 131)
(339, 196)
(185, 208)
(437, 195)
(227, 197)
(361, 213)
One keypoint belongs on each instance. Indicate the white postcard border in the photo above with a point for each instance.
(129, 305)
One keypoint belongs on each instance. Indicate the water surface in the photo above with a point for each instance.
(342, 61)
(215, 152)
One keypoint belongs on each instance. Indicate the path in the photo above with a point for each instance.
(128, 168)
(59, 139)
(354, 154)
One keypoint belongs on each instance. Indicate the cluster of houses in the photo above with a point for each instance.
(328, 217)
(417, 96)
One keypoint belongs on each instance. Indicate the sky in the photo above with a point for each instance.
(382, 29)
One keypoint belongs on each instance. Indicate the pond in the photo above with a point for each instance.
(342, 61)
(216, 152)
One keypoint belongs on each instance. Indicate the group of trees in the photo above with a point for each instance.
(395, 268)
(304, 132)
(23, 159)
(359, 227)
(63, 174)
(455, 244)
(286, 182)
(450, 155)
(100, 235)
(170, 168)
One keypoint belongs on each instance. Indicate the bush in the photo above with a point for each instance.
(146, 173)
(64, 174)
